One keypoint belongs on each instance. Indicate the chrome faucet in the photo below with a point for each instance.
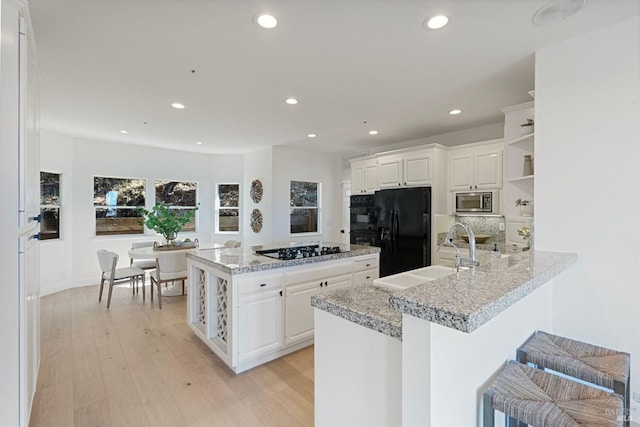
(448, 241)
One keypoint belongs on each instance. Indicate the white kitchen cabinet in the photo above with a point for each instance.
(301, 286)
(364, 176)
(260, 317)
(366, 269)
(413, 168)
(475, 169)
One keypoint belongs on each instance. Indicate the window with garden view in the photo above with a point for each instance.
(228, 208)
(178, 196)
(116, 202)
(304, 212)
(49, 205)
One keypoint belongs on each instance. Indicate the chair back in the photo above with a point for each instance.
(172, 262)
(107, 260)
(136, 245)
(232, 243)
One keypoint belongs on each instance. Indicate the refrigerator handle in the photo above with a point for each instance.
(397, 230)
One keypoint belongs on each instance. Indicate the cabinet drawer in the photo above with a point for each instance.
(309, 274)
(366, 263)
(259, 283)
(366, 276)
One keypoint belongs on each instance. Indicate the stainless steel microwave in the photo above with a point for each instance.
(477, 202)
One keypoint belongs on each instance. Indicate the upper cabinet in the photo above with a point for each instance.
(412, 168)
(477, 168)
(519, 142)
(364, 176)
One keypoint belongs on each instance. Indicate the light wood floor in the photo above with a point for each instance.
(136, 365)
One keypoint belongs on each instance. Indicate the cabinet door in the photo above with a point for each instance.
(357, 178)
(461, 172)
(370, 172)
(390, 171)
(337, 282)
(417, 170)
(260, 322)
(299, 312)
(488, 170)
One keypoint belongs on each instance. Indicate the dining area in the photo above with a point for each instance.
(163, 264)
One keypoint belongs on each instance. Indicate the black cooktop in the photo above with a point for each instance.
(296, 252)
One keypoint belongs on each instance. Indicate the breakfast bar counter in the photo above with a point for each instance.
(456, 333)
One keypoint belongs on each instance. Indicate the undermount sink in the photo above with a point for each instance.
(412, 278)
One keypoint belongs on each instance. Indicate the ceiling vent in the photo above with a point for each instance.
(557, 11)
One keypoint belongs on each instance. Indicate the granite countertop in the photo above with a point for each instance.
(463, 301)
(365, 305)
(244, 260)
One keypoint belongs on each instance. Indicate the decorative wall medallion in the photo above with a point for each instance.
(256, 191)
(256, 220)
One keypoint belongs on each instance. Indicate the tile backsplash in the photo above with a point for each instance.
(484, 225)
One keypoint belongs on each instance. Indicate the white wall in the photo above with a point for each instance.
(290, 164)
(587, 183)
(71, 261)
(257, 165)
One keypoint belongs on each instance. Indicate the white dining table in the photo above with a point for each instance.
(148, 252)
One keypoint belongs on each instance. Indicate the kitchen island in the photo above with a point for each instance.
(250, 308)
(432, 348)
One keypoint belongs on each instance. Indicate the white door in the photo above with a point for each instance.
(461, 172)
(390, 171)
(337, 282)
(489, 170)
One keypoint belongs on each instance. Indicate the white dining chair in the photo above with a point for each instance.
(108, 265)
(145, 264)
(171, 266)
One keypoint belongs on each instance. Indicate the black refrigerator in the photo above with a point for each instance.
(403, 229)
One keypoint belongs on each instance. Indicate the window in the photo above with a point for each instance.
(116, 201)
(228, 208)
(179, 196)
(49, 205)
(304, 213)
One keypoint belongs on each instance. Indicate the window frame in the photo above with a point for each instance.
(49, 206)
(196, 223)
(218, 208)
(96, 207)
(318, 209)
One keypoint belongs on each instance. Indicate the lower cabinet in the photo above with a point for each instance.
(260, 321)
(298, 311)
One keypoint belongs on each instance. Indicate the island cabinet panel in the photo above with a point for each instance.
(260, 316)
(249, 316)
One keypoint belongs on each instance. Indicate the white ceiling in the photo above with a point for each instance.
(108, 65)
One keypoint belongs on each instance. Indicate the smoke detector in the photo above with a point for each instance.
(557, 11)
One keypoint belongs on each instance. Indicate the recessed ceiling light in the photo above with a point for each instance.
(455, 111)
(436, 22)
(177, 105)
(198, 142)
(123, 131)
(312, 135)
(267, 21)
(291, 101)
(373, 132)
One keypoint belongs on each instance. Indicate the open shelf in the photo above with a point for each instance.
(525, 141)
(521, 179)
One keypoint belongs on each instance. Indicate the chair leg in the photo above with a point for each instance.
(143, 287)
(110, 291)
(488, 412)
(159, 296)
(152, 283)
(101, 287)
(182, 286)
(622, 389)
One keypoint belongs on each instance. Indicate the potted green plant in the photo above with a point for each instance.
(166, 221)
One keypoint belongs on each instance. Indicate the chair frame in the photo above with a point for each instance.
(112, 281)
